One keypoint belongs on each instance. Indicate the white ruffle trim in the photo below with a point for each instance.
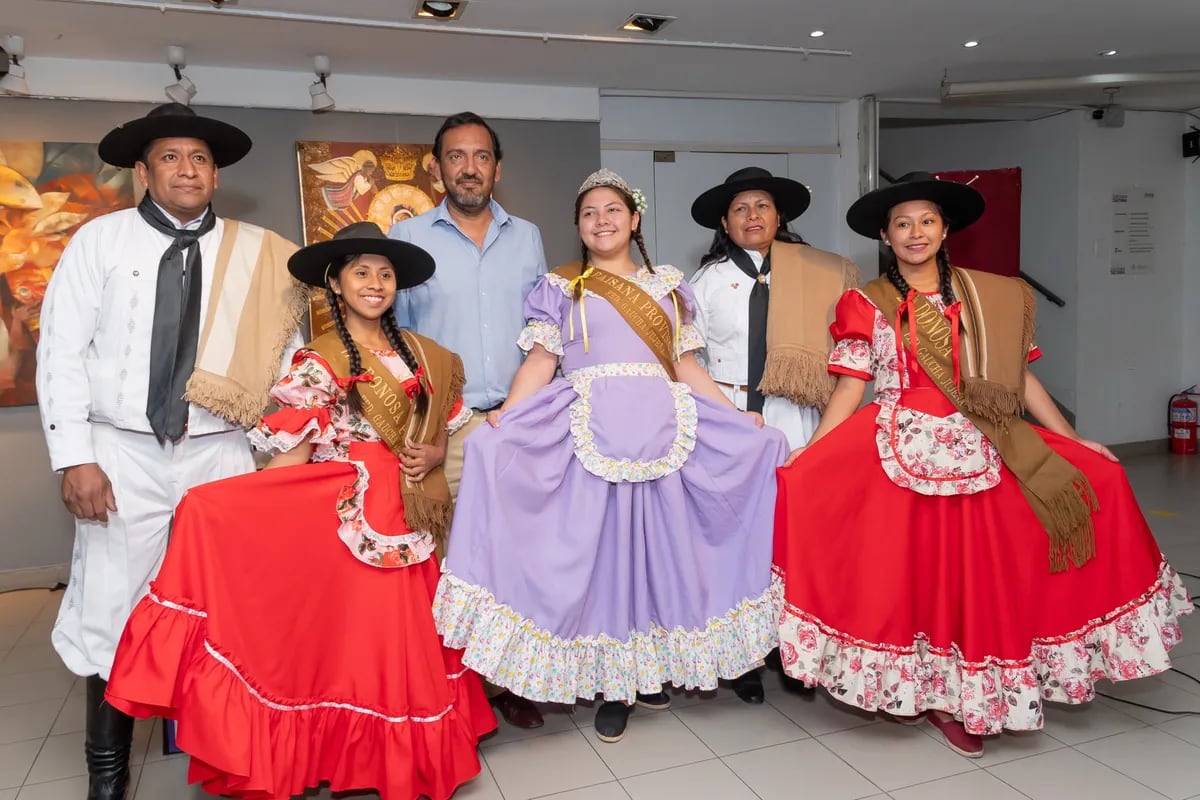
(547, 334)
(626, 470)
(460, 419)
(513, 652)
(285, 441)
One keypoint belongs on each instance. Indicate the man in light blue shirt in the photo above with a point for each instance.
(487, 261)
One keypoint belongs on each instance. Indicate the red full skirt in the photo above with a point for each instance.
(288, 662)
(904, 602)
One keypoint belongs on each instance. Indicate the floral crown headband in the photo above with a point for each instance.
(606, 177)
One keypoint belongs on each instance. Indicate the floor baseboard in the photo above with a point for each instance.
(46, 577)
(1151, 447)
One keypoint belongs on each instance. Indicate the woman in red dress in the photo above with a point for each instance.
(943, 559)
(290, 631)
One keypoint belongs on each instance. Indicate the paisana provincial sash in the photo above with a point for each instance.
(389, 409)
(641, 311)
(1056, 490)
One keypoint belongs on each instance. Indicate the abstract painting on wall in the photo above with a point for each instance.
(47, 190)
(346, 182)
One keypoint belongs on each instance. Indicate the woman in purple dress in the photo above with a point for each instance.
(614, 526)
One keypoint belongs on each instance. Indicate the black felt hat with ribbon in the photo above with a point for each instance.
(311, 264)
(124, 146)
(961, 205)
(791, 197)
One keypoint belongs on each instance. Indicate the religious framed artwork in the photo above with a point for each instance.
(347, 182)
(47, 190)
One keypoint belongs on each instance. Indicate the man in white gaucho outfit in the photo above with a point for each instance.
(163, 328)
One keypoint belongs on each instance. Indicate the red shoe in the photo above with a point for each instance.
(956, 736)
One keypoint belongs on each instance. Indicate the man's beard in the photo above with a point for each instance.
(469, 201)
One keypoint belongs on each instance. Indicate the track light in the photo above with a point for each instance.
(12, 74)
(646, 23)
(319, 92)
(440, 10)
(183, 90)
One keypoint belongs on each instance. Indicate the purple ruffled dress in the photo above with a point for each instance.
(614, 534)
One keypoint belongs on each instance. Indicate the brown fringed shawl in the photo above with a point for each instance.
(427, 504)
(806, 284)
(997, 325)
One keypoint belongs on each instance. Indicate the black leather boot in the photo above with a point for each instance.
(749, 687)
(109, 740)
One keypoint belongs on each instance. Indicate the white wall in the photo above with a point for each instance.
(1123, 344)
(1047, 152)
(1190, 296)
(1130, 356)
(820, 140)
(263, 88)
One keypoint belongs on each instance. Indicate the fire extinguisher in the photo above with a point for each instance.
(1181, 424)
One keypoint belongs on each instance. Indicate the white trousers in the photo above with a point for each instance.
(798, 423)
(113, 563)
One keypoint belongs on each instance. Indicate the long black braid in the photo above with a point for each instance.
(353, 398)
(891, 268)
(392, 330)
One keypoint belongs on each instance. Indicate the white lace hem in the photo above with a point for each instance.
(512, 651)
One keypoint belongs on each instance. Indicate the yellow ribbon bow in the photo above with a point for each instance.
(577, 287)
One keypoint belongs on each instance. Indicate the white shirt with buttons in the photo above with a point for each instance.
(723, 319)
(94, 352)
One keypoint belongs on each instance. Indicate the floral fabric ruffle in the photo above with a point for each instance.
(514, 652)
(993, 695)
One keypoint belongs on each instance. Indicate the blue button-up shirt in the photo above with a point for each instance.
(474, 303)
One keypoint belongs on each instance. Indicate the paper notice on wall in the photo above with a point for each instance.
(1133, 236)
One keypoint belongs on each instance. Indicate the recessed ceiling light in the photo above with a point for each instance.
(971, 43)
(433, 9)
(1106, 53)
(817, 34)
(646, 23)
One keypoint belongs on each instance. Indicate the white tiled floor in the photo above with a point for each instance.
(796, 746)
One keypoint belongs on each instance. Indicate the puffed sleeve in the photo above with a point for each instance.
(544, 309)
(852, 331)
(305, 396)
(690, 337)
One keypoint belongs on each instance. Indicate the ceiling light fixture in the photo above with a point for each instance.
(319, 91)
(12, 74)
(1107, 53)
(967, 91)
(183, 90)
(444, 10)
(971, 43)
(816, 34)
(646, 23)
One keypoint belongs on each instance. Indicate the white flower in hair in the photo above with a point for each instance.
(606, 177)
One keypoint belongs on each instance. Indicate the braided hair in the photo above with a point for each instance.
(637, 233)
(891, 268)
(391, 329)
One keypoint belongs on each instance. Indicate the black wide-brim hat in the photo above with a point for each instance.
(311, 264)
(961, 205)
(791, 197)
(124, 145)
